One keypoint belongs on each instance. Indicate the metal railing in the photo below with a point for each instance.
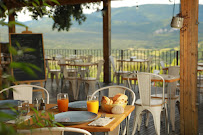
(170, 57)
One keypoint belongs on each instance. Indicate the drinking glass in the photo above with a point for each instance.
(62, 101)
(23, 107)
(92, 104)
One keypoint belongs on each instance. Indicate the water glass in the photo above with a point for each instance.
(92, 104)
(62, 101)
(23, 107)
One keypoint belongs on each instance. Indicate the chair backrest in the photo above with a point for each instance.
(162, 64)
(58, 57)
(144, 84)
(62, 61)
(69, 73)
(99, 68)
(53, 131)
(149, 63)
(89, 58)
(111, 58)
(156, 72)
(113, 90)
(24, 92)
(173, 70)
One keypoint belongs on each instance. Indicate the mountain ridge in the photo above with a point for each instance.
(148, 27)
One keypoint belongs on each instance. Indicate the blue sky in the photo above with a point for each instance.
(114, 4)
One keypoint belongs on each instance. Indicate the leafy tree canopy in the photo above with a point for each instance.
(62, 15)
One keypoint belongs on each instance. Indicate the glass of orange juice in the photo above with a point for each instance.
(62, 101)
(92, 104)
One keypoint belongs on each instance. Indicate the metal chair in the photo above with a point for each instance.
(116, 73)
(155, 106)
(24, 92)
(173, 70)
(90, 82)
(53, 72)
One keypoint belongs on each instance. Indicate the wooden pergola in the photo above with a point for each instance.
(188, 56)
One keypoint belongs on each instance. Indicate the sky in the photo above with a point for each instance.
(114, 4)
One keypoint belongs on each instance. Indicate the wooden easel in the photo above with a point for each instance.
(29, 82)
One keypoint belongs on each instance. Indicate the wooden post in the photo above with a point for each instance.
(188, 68)
(12, 28)
(107, 39)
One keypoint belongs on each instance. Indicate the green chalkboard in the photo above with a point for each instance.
(36, 57)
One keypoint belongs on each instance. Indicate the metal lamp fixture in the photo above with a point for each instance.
(177, 21)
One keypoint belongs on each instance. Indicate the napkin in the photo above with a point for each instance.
(100, 122)
(20, 119)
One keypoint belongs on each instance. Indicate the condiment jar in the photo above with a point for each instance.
(42, 104)
(36, 104)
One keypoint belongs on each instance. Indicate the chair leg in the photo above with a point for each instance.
(57, 80)
(52, 78)
(172, 114)
(156, 116)
(74, 88)
(135, 124)
(147, 121)
(139, 121)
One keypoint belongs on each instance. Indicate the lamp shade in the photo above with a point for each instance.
(177, 22)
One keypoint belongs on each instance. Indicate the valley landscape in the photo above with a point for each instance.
(145, 28)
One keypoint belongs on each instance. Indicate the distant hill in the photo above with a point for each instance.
(147, 27)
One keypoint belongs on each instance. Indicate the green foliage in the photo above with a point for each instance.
(63, 14)
(39, 120)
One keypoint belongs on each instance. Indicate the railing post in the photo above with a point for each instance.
(177, 58)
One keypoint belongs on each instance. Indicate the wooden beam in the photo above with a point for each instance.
(12, 28)
(16, 4)
(107, 39)
(188, 68)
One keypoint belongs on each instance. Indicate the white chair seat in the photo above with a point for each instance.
(154, 102)
(122, 72)
(55, 70)
(89, 78)
(166, 96)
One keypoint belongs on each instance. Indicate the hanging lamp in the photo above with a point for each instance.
(177, 21)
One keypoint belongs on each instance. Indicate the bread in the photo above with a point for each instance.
(106, 100)
(117, 109)
(120, 99)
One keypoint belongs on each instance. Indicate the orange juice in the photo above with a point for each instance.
(63, 105)
(93, 106)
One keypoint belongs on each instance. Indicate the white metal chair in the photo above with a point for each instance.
(53, 72)
(116, 73)
(173, 70)
(155, 106)
(90, 82)
(70, 75)
(112, 91)
(163, 66)
(53, 131)
(24, 92)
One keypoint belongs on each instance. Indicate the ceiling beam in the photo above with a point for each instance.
(18, 3)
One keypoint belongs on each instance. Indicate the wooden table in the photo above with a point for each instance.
(200, 64)
(132, 61)
(110, 127)
(167, 78)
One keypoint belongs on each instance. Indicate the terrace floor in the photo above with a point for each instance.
(150, 130)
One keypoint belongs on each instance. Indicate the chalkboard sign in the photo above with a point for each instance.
(36, 57)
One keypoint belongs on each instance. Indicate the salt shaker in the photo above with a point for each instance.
(42, 104)
(36, 104)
